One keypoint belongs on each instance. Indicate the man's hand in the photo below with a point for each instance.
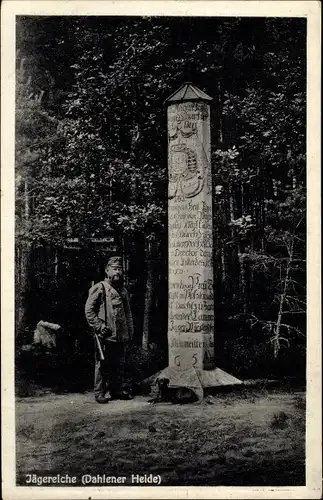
(105, 332)
(100, 337)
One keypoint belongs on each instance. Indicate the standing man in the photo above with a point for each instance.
(108, 313)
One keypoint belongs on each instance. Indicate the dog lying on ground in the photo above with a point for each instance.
(176, 395)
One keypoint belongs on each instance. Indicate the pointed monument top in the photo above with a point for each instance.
(188, 92)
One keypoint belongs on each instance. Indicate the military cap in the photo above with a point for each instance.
(115, 261)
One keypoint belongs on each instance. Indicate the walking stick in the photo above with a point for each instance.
(98, 343)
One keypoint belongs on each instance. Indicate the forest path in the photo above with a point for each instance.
(256, 438)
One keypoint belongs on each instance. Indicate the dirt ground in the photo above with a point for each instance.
(254, 438)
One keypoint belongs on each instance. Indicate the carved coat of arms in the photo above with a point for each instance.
(185, 177)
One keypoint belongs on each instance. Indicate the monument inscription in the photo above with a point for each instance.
(191, 298)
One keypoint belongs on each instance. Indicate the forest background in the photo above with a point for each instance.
(91, 179)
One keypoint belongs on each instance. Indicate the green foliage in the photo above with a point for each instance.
(262, 175)
(36, 132)
(91, 153)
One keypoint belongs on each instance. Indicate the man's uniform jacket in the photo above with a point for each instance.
(118, 313)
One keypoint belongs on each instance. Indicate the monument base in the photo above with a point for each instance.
(194, 379)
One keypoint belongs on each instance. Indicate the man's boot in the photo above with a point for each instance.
(102, 399)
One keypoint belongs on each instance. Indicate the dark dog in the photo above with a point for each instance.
(175, 395)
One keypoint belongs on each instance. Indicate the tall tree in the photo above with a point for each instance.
(35, 134)
(263, 173)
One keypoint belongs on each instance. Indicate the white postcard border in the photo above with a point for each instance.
(309, 9)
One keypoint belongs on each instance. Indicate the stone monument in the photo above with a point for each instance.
(190, 245)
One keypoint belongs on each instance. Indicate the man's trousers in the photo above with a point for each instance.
(113, 374)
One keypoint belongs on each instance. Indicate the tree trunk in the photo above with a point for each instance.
(224, 276)
(243, 283)
(282, 298)
(26, 198)
(22, 272)
(148, 296)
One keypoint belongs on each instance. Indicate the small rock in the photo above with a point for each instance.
(279, 420)
(46, 334)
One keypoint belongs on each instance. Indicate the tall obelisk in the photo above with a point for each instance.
(190, 235)
(190, 244)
